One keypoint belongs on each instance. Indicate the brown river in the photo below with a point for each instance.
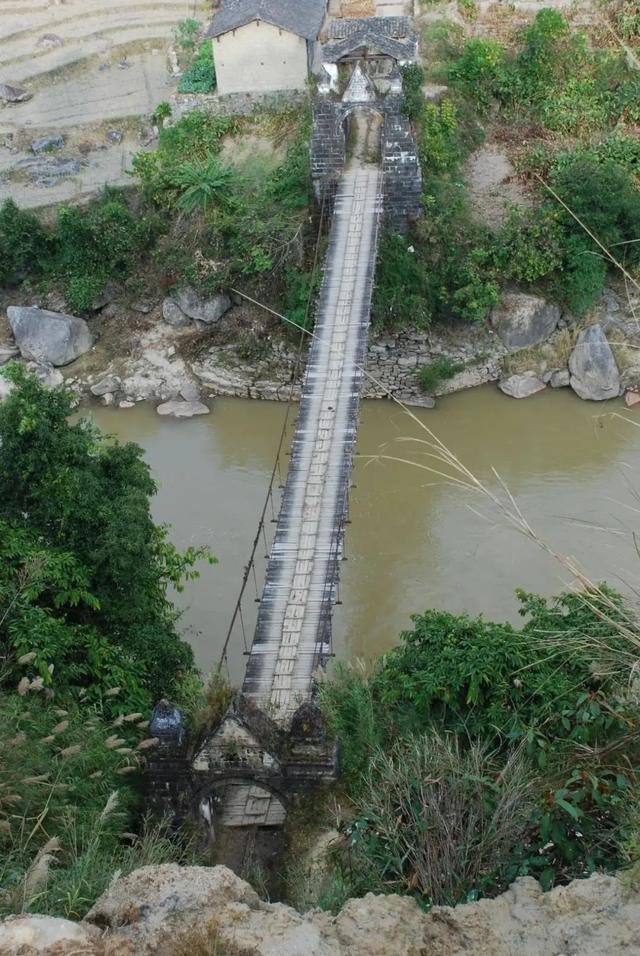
(415, 540)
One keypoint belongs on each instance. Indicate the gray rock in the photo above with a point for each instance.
(594, 373)
(111, 383)
(49, 337)
(173, 314)
(522, 320)
(560, 378)
(14, 94)
(114, 136)
(190, 392)
(48, 174)
(142, 305)
(47, 143)
(182, 409)
(203, 310)
(521, 386)
(47, 374)
(49, 41)
(107, 399)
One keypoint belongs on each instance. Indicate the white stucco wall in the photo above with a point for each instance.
(258, 58)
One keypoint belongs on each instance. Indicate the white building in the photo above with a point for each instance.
(260, 46)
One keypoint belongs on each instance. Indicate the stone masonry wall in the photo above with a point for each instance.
(234, 104)
(401, 170)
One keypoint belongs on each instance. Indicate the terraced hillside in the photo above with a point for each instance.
(94, 69)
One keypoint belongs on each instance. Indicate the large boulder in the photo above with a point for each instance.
(594, 372)
(203, 310)
(521, 386)
(30, 934)
(523, 320)
(169, 910)
(173, 314)
(49, 338)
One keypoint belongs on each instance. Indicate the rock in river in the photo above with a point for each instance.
(522, 320)
(594, 373)
(182, 409)
(49, 338)
(521, 386)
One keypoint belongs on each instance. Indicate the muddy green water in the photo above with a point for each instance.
(573, 467)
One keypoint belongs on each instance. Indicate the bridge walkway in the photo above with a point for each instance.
(293, 630)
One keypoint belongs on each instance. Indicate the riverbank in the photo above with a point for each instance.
(140, 356)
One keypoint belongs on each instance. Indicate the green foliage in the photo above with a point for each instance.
(186, 35)
(202, 184)
(84, 501)
(301, 289)
(412, 81)
(544, 696)
(87, 247)
(161, 112)
(606, 199)
(24, 244)
(201, 75)
(529, 247)
(400, 292)
(442, 368)
(553, 78)
(437, 819)
(478, 69)
(439, 139)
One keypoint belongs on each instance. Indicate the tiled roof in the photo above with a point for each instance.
(397, 27)
(302, 17)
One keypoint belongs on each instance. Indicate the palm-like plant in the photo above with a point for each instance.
(202, 183)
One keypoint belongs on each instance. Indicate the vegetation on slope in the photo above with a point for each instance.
(577, 105)
(476, 752)
(88, 641)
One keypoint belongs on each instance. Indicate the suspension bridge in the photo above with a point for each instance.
(272, 741)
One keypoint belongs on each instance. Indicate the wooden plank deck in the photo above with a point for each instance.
(293, 631)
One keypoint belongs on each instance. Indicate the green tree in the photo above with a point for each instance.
(85, 500)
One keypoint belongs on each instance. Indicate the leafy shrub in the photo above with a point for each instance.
(84, 503)
(547, 690)
(442, 368)
(399, 297)
(24, 244)
(186, 34)
(301, 288)
(529, 247)
(412, 81)
(439, 144)
(95, 244)
(478, 69)
(201, 75)
(607, 201)
(202, 184)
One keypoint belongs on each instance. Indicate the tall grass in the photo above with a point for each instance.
(69, 803)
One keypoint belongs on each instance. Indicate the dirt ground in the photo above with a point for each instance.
(96, 71)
